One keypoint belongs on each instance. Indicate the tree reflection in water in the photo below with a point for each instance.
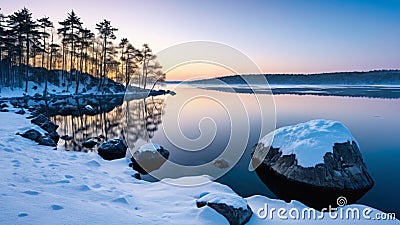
(132, 121)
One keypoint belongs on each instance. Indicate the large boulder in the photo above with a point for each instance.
(149, 157)
(233, 207)
(314, 162)
(112, 149)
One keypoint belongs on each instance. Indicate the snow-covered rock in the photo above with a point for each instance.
(149, 157)
(309, 141)
(314, 162)
(233, 207)
(112, 149)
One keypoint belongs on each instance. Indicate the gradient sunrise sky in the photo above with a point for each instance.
(281, 36)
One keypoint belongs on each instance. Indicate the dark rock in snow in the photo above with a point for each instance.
(31, 134)
(44, 123)
(39, 120)
(137, 176)
(3, 105)
(54, 135)
(66, 137)
(233, 207)
(21, 112)
(35, 87)
(342, 171)
(46, 140)
(49, 126)
(90, 143)
(4, 110)
(148, 158)
(112, 149)
(102, 136)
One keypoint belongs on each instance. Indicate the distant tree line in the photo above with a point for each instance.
(375, 77)
(26, 43)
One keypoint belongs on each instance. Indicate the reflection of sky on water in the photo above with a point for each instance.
(373, 122)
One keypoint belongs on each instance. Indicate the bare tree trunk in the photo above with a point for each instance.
(27, 63)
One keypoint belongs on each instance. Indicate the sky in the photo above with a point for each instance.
(280, 36)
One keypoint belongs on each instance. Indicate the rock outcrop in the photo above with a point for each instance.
(44, 123)
(315, 163)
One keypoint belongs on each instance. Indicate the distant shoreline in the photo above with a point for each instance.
(375, 77)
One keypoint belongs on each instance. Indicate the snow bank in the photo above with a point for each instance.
(309, 141)
(223, 198)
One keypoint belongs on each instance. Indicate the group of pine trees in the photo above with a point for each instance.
(72, 49)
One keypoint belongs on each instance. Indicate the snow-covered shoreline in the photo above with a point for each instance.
(43, 186)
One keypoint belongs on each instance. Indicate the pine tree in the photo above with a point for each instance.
(23, 26)
(106, 32)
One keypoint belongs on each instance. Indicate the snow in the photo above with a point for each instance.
(150, 147)
(42, 186)
(309, 141)
(8, 92)
(222, 198)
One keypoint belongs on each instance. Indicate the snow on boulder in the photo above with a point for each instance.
(233, 207)
(149, 157)
(112, 149)
(314, 162)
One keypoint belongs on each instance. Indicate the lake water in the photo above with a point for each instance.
(374, 122)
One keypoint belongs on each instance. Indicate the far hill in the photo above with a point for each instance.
(376, 77)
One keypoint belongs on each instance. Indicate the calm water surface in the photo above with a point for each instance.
(373, 122)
